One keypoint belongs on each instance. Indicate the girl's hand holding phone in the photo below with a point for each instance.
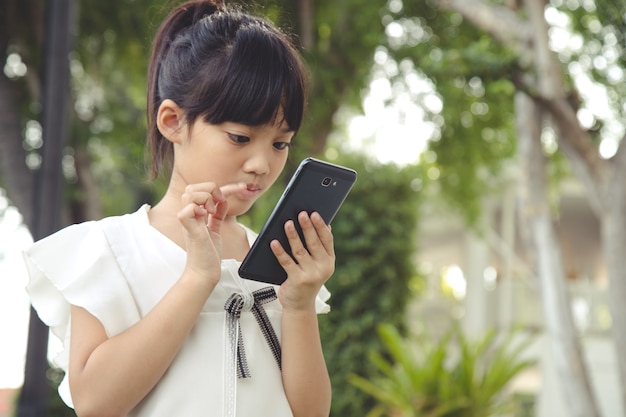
(311, 266)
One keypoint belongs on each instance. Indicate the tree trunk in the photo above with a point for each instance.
(602, 179)
(306, 18)
(17, 177)
(48, 196)
(559, 325)
(21, 28)
(89, 207)
(614, 247)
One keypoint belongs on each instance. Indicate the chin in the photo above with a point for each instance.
(239, 209)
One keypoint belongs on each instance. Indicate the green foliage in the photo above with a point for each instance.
(344, 36)
(473, 76)
(108, 87)
(476, 77)
(450, 377)
(374, 242)
(601, 55)
(475, 141)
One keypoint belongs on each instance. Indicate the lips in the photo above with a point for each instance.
(251, 191)
(253, 187)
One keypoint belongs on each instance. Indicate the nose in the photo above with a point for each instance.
(258, 163)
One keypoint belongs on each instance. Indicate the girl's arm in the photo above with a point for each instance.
(305, 376)
(110, 376)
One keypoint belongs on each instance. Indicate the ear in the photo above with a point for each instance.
(170, 121)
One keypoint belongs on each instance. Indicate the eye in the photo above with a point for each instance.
(281, 145)
(238, 138)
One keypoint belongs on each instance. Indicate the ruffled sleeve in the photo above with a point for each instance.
(76, 266)
(321, 305)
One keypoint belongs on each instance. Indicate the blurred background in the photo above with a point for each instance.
(481, 257)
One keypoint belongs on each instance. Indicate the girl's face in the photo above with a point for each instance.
(231, 153)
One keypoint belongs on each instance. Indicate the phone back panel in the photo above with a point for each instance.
(315, 186)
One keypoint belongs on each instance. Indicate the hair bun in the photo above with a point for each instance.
(195, 10)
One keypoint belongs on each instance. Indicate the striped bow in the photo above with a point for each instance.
(237, 303)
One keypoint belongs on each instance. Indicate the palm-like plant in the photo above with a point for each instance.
(451, 377)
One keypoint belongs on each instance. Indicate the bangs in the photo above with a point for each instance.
(222, 65)
(257, 79)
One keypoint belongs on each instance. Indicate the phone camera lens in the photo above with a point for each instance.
(326, 181)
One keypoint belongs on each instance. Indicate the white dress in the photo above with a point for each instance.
(118, 268)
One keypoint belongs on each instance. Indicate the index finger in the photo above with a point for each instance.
(234, 188)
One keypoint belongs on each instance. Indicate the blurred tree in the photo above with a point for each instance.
(46, 196)
(559, 55)
(21, 42)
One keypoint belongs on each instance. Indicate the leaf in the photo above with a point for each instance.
(415, 380)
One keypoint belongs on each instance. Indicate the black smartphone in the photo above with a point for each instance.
(316, 186)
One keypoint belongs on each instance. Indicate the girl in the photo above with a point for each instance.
(153, 315)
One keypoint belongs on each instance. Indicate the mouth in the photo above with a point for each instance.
(251, 191)
(253, 187)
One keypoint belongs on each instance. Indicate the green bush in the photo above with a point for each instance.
(451, 377)
(375, 241)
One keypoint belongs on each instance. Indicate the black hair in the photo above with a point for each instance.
(223, 65)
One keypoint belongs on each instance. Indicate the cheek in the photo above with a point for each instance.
(208, 165)
(278, 164)
(281, 159)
